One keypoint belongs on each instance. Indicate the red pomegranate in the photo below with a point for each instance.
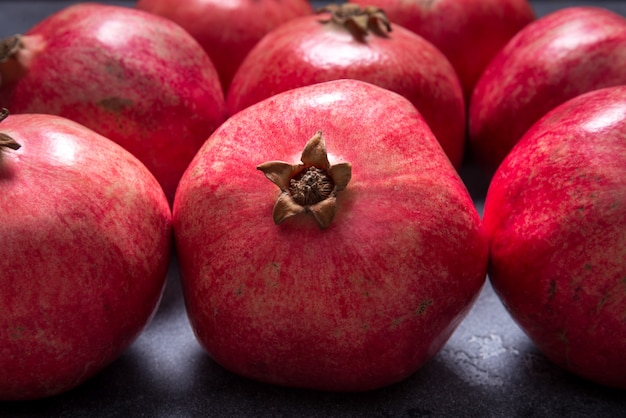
(557, 57)
(468, 32)
(555, 213)
(133, 77)
(348, 41)
(227, 30)
(85, 232)
(378, 253)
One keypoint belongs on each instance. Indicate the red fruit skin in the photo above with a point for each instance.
(227, 30)
(557, 57)
(555, 214)
(468, 32)
(131, 76)
(86, 234)
(305, 51)
(356, 306)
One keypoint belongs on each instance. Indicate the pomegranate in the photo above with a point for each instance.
(86, 234)
(378, 254)
(350, 42)
(555, 213)
(468, 32)
(557, 57)
(227, 30)
(134, 77)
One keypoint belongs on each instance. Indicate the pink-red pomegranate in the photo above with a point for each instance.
(86, 233)
(134, 77)
(468, 32)
(348, 41)
(555, 58)
(555, 213)
(325, 241)
(227, 30)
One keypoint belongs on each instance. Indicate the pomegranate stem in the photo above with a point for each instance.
(5, 140)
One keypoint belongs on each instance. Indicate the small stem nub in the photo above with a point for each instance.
(9, 46)
(5, 140)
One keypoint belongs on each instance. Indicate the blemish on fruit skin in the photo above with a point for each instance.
(271, 274)
(552, 290)
(602, 302)
(396, 322)
(577, 292)
(17, 333)
(421, 309)
(115, 104)
(611, 293)
(564, 339)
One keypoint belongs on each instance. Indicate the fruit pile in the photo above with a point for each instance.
(305, 169)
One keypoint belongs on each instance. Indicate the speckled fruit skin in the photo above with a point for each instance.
(134, 77)
(86, 234)
(468, 32)
(356, 306)
(227, 30)
(555, 213)
(305, 51)
(557, 57)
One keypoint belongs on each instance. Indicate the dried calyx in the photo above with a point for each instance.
(310, 186)
(9, 46)
(359, 21)
(5, 140)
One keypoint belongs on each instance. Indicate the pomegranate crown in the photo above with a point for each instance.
(310, 186)
(359, 21)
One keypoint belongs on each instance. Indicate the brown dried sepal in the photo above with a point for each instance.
(5, 140)
(310, 186)
(9, 46)
(359, 21)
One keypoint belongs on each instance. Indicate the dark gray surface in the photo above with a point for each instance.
(488, 368)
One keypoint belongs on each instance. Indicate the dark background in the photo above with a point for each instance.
(488, 368)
